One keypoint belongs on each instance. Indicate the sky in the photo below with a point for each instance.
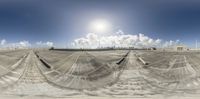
(67, 23)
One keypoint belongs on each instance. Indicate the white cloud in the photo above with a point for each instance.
(120, 32)
(171, 43)
(3, 42)
(44, 44)
(20, 44)
(119, 39)
(23, 44)
(49, 44)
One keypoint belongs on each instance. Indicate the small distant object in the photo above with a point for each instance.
(52, 48)
(153, 48)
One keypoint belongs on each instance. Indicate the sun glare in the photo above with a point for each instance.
(100, 26)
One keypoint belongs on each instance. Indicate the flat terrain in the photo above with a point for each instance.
(100, 74)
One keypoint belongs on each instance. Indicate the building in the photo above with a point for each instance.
(181, 48)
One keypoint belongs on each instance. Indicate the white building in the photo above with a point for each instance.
(180, 48)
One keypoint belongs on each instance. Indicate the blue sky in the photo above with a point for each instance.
(62, 21)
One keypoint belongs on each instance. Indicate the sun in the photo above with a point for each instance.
(100, 26)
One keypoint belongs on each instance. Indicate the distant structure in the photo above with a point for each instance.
(181, 48)
(52, 48)
(153, 48)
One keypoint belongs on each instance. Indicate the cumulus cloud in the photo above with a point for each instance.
(20, 44)
(171, 43)
(119, 39)
(3, 42)
(23, 44)
(44, 44)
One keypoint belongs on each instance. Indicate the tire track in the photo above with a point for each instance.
(32, 82)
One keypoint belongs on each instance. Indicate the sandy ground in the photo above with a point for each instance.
(33, 85)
